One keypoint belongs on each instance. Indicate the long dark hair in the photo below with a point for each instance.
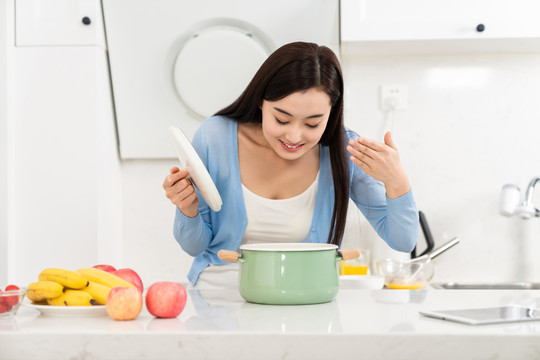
(294, 67)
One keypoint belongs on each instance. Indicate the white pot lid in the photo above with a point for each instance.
(288, 247)
(190, 160)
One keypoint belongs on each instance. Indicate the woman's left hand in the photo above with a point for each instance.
(381, 162)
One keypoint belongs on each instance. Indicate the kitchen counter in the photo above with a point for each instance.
(219, 324)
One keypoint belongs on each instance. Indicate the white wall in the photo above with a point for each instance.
(149, 245)
(3, 143)
(472, 126)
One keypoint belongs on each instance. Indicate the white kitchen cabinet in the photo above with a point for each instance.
(62, 186)
(65, 196)
(59, 23)
(4, 192)
(383, 27)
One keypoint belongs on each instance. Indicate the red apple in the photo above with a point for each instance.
(104, 267)
(166, 299)
(11, 300)
(124, 303)
(131, 277)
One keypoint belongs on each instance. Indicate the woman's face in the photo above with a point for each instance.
(295, 124)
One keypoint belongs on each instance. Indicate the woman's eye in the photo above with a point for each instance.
(312, 126)
(281, 122)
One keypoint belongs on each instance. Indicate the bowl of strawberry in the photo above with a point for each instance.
(10, 300)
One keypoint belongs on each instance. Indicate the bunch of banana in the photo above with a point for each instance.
(53, 293)
(85, 287)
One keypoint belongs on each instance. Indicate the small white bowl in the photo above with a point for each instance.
(361, 282)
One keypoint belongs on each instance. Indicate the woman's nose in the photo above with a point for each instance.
(295, 135)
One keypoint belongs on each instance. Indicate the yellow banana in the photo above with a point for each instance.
(104, 278)
(43, 290)
(72, 298)
(67, 278)
(98, 291)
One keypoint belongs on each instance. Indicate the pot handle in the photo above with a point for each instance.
(228, 255)
(347, 254)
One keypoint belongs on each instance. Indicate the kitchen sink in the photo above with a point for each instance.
(488, 286)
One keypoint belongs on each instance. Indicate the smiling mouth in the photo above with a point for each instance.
(290, 147)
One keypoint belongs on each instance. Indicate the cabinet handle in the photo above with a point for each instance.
(480, 27)
(86, 20)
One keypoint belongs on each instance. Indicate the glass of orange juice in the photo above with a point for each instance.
(358, 266)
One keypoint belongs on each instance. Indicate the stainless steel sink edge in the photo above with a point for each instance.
(525, 285)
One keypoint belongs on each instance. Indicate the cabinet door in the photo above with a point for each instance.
(65, 193)
(59, 22)
(380, 26)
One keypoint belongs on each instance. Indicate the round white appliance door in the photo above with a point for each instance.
(214, 67)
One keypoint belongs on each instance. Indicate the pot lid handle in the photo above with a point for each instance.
(348, 254)
(228, 255)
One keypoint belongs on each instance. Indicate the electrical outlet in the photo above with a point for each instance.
(394, 97)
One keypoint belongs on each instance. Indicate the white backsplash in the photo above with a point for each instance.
(472, 125)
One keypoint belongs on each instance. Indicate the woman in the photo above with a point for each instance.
(278, 156)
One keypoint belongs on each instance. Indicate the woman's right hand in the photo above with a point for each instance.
(179, 189)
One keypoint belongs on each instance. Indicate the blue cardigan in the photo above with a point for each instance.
(216, 142)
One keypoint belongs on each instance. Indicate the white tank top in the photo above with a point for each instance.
(282, 220)
(269, 220)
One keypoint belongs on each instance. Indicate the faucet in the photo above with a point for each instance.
(527, 209)
(509, 203)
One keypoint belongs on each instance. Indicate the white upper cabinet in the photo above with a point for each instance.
(383, 27)
(59, 23)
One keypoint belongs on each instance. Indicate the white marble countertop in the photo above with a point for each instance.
(218, 324)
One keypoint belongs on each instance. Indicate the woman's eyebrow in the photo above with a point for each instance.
(286, 113)
(282, 111)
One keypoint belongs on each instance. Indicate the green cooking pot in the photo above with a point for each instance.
(288, 273)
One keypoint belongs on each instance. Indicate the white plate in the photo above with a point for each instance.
(69, 311)
(361, 282)
(197, 171)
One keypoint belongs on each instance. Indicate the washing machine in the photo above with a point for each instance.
(177, 62)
